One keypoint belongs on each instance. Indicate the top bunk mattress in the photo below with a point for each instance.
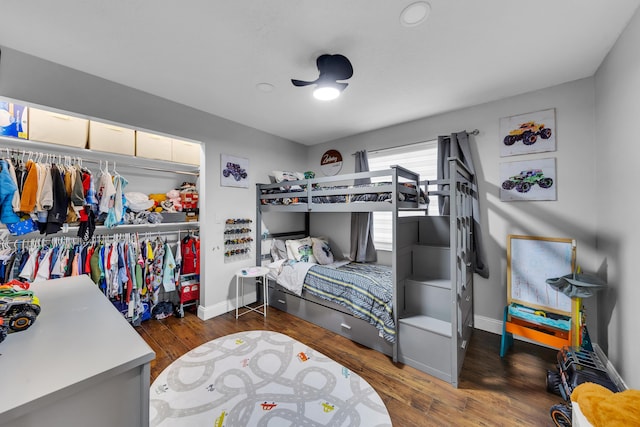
(309, 194)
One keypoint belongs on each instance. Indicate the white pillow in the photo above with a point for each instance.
(301, 250)
(322, 251)
(281, 176)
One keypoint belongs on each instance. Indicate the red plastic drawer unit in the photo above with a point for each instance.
(189, 292)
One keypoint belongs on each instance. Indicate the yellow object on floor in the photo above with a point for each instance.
(601, 407)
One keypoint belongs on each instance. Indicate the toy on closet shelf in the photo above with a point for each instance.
(189, 200)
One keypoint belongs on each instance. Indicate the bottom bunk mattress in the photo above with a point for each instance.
(363, 290)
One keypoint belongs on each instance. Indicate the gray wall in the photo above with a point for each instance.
(572, 215)
(26, 78)
(617, 86)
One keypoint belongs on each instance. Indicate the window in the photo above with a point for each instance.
(422, 158)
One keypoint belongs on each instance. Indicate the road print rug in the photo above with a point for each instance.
(262, 378)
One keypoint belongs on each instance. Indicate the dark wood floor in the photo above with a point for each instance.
(492, 392)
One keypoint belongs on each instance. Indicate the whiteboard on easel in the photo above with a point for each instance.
(533, 260)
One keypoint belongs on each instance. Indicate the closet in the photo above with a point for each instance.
(129, 255)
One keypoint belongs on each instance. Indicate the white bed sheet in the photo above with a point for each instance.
(290, 274)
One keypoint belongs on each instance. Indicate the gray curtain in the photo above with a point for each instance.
(362, 248)
(457, 145)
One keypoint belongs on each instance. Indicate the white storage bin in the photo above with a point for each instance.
(111, 139)
(152, 146)
(186, 152)
(56, 128)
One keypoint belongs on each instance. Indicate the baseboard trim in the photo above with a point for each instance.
(487, 324)
(211, 311)
(494, 326)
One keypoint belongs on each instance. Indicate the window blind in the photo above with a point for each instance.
(421, 158)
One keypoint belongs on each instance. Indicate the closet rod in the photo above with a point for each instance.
(144, 167)
(473, 132)
(22, 152)
(141, 235)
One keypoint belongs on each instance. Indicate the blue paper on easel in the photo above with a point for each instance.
(527, 313)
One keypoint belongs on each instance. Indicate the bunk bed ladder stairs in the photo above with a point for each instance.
(432, 336)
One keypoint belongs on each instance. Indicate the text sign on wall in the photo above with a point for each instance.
(331, 162)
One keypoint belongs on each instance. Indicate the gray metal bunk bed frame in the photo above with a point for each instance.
(422, 335)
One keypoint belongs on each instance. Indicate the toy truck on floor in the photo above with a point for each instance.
(18, 309)
(526, 179)
(528, 133)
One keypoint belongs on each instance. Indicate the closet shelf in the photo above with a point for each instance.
(92, 156)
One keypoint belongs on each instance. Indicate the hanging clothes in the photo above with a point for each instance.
(106, 192)
(168, 270)
(30, 188)
(190, 255)
(15, 201)
(116, 211)
(58, 213)
(7, 190)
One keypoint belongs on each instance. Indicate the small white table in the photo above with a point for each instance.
(252, 273)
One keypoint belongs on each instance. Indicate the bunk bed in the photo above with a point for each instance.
(422, 300)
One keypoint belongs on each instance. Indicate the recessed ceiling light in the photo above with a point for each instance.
(264, 87)
(415, 13)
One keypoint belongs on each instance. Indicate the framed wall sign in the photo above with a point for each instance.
(331, 162)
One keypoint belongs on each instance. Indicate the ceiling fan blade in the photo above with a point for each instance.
(335, 67)
(301, 82)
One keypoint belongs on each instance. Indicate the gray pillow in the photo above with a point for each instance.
(322, 251)
(278, 250)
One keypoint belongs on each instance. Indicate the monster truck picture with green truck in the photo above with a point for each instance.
(527, 179)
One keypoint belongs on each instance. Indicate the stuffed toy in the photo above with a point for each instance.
(157, 198)
(602, 407)
(176, 201)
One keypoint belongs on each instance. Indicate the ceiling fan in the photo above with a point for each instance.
(332, 68)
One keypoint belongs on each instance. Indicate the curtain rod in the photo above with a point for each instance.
(473, 132)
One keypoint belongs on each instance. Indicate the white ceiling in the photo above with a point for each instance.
(211, 54)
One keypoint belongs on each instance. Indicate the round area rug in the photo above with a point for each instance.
(262, 378)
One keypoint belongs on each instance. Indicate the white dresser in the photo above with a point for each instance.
(79, 364)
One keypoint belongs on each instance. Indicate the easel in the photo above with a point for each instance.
(530, 261)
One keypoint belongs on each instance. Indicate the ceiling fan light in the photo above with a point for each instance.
(326, 93)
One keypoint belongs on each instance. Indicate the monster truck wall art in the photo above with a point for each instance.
(528, 133)
(527, 179)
